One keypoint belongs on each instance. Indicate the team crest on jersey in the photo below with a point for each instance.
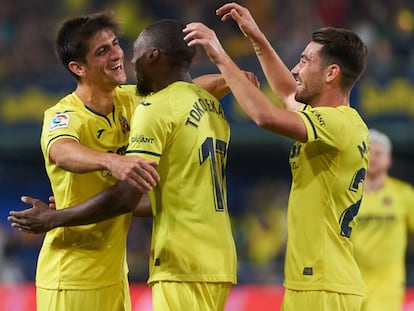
(124, 124)
(387, 201)
(60, 120)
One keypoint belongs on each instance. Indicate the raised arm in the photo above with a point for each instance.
(216, 84)
(256, 104)
(277, 74)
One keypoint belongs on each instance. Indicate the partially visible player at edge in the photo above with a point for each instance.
(328, 160)
(385, 219)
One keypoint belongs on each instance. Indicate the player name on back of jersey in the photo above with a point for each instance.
(200, 108)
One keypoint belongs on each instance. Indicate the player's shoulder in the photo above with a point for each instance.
(125, 90)
(125, 97)
(184, 86)
(399, 185)
(69, 102)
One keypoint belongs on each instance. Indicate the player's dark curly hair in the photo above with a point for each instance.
(73, 35)
(344, 48)
(167, 36)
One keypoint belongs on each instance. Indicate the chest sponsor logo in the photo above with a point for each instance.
(141, 139)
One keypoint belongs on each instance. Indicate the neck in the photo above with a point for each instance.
(95, 98)
(169, 78)
(331, 97)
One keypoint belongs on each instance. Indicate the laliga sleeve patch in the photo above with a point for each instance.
(60, 120)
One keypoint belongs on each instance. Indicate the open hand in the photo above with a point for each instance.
(242, 17)
(35, 219)
(200, 34)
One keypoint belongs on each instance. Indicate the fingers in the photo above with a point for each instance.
(149, 173)
(17, 218)
(252, 78)
(13, 218)
(52, 202)
(17, 215)
(231, 11)
(137, 171)
(28, 200)
(199, 34)
(144, 175)
(191, 33)
(146, 179)
(23, 228)
(226, 17)
(19, 223)
(227, 8)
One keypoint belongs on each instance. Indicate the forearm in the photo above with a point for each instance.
(214, 84)
(75, 157)
(143, 208)
(256, 105)
(114, 201)
(277, 74)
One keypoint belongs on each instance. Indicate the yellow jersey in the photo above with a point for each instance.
(385, 218)
(328, 172)
(90, 256)
(184, 129)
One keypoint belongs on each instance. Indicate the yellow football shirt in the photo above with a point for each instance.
(91, 256)
(327, 182)
(184, 129)
(380, 239)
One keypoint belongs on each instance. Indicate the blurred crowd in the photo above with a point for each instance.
(27, 31)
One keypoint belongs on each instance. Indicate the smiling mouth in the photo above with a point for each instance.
(117, 67)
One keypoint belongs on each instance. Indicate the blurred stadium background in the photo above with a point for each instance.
(32, 79)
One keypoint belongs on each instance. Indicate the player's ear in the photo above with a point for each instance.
(153, 54)
(332, 72)
(77, 68)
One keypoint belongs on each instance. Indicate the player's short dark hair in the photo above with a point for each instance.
(73, 35)
(344, 48)
(167, 36)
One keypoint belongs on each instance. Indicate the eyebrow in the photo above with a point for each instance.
(105, 45)
(305, 56)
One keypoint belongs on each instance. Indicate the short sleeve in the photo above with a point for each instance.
(325, 125)
(151, 125)
(59, 125)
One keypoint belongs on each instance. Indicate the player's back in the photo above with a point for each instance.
(189, 135)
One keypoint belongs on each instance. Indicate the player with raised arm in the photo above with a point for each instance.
(328, 159)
